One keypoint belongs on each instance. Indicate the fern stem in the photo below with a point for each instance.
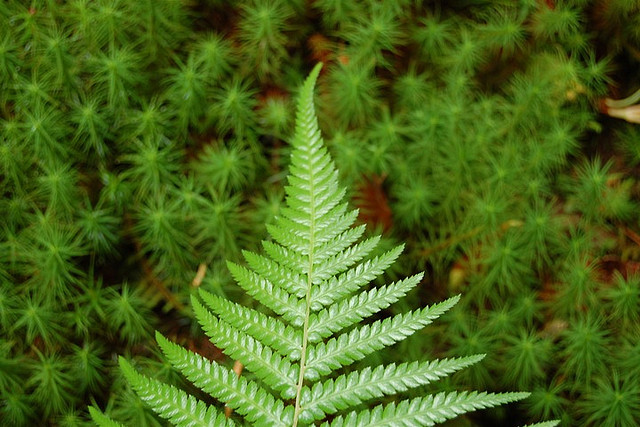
(305, 340)
(305, 333)
(307, 124)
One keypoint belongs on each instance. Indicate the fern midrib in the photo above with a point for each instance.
(305, 330)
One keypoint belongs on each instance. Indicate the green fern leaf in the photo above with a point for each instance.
(345, 259)
(272, 296)
(360, 342)
(171, 403)
(345, 391)
(260, 359)
(289, 259)
(337, 287)
(425, 411)
(288, 280)
(271, 330)
(352, 310)
(246, 397)
(334, 247)
(311, 278)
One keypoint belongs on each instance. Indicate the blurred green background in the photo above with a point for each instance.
(143, 143)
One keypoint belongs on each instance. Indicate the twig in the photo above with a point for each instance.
(632, 235)
(202, 271)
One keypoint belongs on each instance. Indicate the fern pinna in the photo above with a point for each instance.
(311, 277)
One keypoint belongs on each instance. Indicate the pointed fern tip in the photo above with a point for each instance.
(306, 92)
(313, 76)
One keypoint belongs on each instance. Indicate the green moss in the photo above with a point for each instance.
(142, 140)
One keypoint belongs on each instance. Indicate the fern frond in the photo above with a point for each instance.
(260, 359)
(347, 312)
(349, 390)
(425, 411)
(171, 403)
(269, 330)
(360, 342)
(288, 258)
(292, 282)
(345, 259)
(245, 397)
(274, 297)
(351, 280)
(337, 245)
